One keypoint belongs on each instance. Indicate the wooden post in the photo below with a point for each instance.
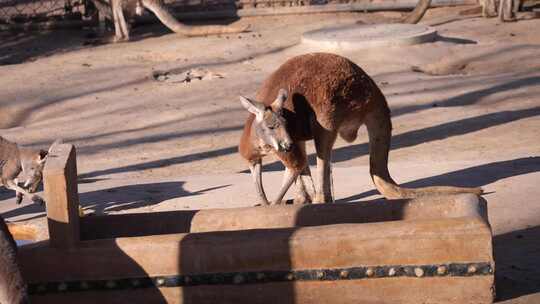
(62, 197)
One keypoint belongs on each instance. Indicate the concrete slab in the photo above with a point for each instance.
(356, 36)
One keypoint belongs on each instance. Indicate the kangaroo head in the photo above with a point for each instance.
(269, 125)
(32, 163)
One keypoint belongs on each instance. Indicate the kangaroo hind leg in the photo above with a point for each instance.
(305, 189)
(324, 142)
(121, 28)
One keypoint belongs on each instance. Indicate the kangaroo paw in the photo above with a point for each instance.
(38, 200)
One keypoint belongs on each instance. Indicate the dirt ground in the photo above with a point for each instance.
(465, 111)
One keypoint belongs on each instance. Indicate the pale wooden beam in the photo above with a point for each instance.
(62, 197)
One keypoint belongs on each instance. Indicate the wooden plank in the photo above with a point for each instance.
(27, 232)
(62, 197)
(283, 216)
(376, 291)
(453, 240)
(423, 242)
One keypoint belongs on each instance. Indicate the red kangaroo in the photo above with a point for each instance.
(316, 97)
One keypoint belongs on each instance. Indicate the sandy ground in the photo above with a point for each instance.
(470, 119)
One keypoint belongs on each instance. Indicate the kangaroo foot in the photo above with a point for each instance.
(320, 198)
(301, 200)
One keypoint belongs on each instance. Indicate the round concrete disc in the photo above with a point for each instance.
(360, 36)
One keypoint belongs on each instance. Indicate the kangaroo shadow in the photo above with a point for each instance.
(518, 265)
(471, 177)
(6, 193)
(119, 198)
(19, 47)
(136, 196)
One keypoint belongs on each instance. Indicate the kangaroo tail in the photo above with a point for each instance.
(163, 14)
(379, 128)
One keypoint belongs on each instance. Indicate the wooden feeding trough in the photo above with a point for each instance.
(432, 250)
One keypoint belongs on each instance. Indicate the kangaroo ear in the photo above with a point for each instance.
(252, 106)
(280, 99)
(43, 156)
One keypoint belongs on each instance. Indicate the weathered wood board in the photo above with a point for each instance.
(430, 250)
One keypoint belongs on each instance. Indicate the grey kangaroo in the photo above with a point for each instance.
(13, 289)
(15, 160)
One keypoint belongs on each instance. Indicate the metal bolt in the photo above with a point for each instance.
(370, 272)
(344, 274)
(419, 272)
(441, 270)
(290, 276)
(392, 272)
(260, 276)
(84, 285)
(62, 287)
(320, 274)
(135, 282)
(471, 269)
(238, 279)
(110, 284)
(160, 281)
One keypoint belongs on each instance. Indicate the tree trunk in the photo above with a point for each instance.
(416, 15)
(169, 21)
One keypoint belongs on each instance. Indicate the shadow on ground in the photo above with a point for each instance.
(119, 198)
(6, 193)
(476, 176)
(136, 196)
(517, 264)
(19, 47)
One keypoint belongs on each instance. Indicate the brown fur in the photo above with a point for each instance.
(15, 160)
(12, 286)
(125, 9)
(330, 95)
